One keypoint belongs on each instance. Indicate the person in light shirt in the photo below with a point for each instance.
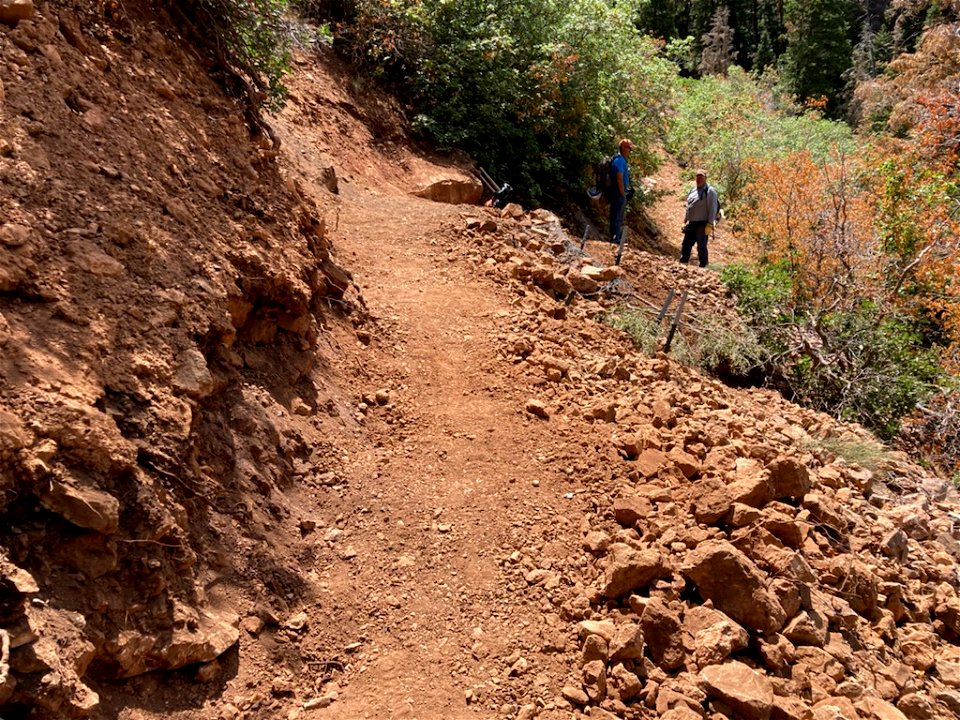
(700, 218)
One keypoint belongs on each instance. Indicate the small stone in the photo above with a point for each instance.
(347, 553)
(252, 624)
(307, 526)
(13, 235)
(537, 408)
(299, 407)
(208, 672)
(320, 702)
(575, 695)
(229, 712)
(110, 172)
(528, 712)
(383, 396)
(192, 376)
(176, 209)
(518, 668)
(297, 622)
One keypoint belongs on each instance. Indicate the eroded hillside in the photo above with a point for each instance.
(239, 482)
(162, 296)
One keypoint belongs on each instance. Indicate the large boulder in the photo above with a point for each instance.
(736, 587)
(457, 191)
(747, 691)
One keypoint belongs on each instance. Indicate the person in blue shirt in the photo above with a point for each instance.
(699, 219)
(620, 190)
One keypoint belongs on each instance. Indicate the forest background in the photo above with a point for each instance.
(831, 128)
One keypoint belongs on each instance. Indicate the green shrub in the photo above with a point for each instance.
(763, 294)
(728, 352)
(712, 345)
(865, 363)
(248, 42)
(535, 91)
(640, 326)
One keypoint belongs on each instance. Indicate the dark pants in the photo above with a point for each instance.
(695, 234)
(618, 205)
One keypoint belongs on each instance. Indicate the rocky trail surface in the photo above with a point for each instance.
(282, 437)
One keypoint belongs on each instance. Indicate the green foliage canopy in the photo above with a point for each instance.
(536, 91)
(721, 123)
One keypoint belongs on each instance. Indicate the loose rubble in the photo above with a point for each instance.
(755, 573)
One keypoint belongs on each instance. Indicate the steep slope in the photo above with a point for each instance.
(161, 298)
(441, 488)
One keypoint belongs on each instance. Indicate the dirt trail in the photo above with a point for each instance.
(464, 487)
(346, 502)
(455, 490)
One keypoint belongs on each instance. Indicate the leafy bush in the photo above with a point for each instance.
(863, 362)
(762, 295)
(248, 42)
(724, 123)
(535, 91)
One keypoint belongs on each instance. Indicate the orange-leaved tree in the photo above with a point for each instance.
(918, 212)
(818, 291)
(818, 219)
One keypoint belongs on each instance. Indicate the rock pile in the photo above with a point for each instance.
(738, 566)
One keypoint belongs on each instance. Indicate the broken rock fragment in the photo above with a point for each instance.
(741, 687)
(84, 507)
(736, 586)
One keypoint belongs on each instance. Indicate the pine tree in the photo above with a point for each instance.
(819, 50)
(764, 56)
(770, 30)
(718, 51)
(700, 15)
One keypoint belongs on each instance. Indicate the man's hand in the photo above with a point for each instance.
(708, 230)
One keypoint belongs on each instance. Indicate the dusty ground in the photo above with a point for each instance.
(398, 488)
